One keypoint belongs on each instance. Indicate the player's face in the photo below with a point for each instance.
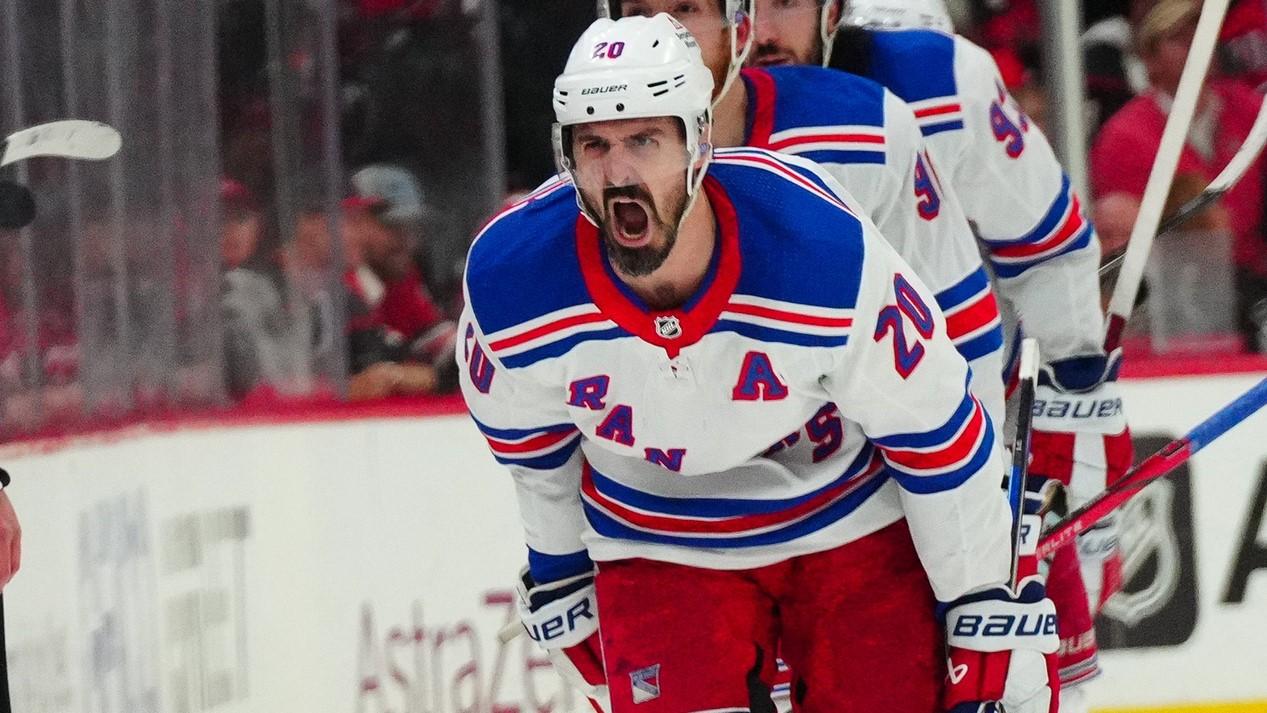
(704, 19)
(788, 32)
(631, 174)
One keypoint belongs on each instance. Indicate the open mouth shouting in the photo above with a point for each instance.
(630, 221)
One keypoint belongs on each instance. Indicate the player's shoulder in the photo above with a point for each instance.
(916, 64)
(976, 72)
(801, 237)
(935, 73)
(807, 95)
(523, 263)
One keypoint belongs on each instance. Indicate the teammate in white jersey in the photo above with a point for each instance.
(735, 422)
(1043, 251)
(868, 140)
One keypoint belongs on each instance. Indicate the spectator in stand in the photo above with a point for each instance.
(397, 334)
(266, 341)
(1122, 156)
(1115, 73)
(241, 225)
(1243, 40)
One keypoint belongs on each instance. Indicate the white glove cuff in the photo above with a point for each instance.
(564, 622)
(995, 625)
(1096, 411)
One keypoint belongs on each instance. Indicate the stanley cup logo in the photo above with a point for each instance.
(1147, 536)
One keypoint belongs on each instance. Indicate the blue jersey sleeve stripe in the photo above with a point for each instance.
(982, 344)
(848, 157)
(514, 434)
(548, 461)
(551, 568)
(968, 287)
(928, 484)
(932, 129)
(1013, 269)
(936, 437)
(1055, 215)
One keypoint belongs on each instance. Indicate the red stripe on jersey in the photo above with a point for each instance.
(697, 320)
(958, 449)
(973, 317)
(1072, 226)
(796, 177)
(827, 138)
(937, 110)
(535, 443)
(771, 313)
(729, 525)
(545, 329)
(764, 92)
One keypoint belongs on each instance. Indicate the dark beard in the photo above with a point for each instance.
(639, 262)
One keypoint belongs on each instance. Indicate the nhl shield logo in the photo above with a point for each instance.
(668, 327)
(645, 683)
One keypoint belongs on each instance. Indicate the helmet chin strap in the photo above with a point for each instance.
(827, 32)
(738, 55)
(565, 164)
(695, 176)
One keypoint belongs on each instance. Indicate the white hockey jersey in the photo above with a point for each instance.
(1040, 244)
(805, 397)
(868, 139)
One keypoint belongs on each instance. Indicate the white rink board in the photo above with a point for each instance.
(364, 579)
(1226, 657)
(365, 565)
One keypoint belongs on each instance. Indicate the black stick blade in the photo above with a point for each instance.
(17, 206)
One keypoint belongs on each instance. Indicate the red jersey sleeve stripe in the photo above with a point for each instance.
(954, 453)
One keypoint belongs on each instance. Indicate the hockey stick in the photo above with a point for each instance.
(5, 704)
(1151, 468)
(17, 206)
(67, 138)
(1020, 445)
(1224, 182)
(509, 632)
(1163, 172)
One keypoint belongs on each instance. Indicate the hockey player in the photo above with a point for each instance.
(1043, 251)
(869, 141)
(718, 383)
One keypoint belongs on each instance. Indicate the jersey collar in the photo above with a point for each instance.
(671, 329)
(760, 111)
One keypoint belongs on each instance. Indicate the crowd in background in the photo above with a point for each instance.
(400, 304)
(353, 291)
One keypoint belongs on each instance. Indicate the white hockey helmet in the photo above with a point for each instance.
(734, 13)
(930, 14)
(636, 68)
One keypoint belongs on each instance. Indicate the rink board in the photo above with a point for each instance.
(364, 565)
